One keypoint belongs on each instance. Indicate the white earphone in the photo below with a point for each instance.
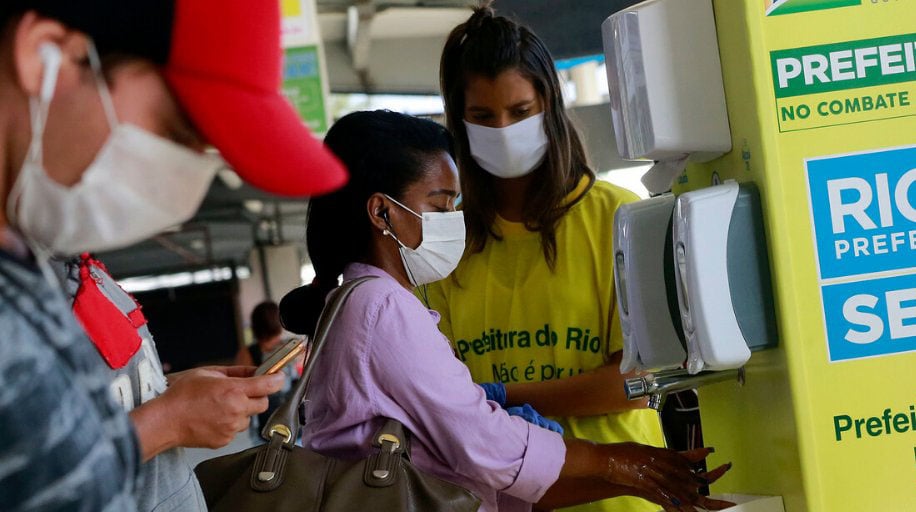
(51, 57)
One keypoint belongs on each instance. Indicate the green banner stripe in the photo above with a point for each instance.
(886, 60)
(794, 6)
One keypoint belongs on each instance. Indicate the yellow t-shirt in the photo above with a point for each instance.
(511, 319)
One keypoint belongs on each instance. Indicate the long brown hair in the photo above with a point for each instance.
(486, 45)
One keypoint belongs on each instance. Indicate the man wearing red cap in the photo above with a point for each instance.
(105, 107)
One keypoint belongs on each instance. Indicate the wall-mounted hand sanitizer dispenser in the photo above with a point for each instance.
(723, 276)
(665, 81)
(646, 289)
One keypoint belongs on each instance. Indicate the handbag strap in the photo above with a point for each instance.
(285, 420)
(393, 443)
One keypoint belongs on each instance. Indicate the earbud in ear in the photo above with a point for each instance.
(51, 58)
(50, 53)
(389, 231)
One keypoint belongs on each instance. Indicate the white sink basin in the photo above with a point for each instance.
(752, 503)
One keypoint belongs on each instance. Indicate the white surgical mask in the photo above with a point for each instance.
(512, 151)
(138, 185)
(439, 251)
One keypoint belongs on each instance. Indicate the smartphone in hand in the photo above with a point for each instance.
(281, 357)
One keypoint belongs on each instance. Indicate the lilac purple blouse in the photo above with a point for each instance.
(385, 358)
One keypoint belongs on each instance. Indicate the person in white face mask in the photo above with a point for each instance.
(537, 276)
(105, 110)
(384, 358)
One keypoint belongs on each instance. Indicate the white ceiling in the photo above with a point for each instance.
(404, 50)
(397, 23)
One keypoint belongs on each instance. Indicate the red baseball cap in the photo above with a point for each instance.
(223, 61)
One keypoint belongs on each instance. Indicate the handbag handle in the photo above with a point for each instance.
(285, 420)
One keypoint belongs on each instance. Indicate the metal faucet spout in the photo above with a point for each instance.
(657, 386)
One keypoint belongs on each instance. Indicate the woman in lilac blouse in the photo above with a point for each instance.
(385, 357)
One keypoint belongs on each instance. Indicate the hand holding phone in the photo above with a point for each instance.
(281, 357)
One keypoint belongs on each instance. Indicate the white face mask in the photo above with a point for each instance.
(439, 251)
(512, 151)
(138, 185)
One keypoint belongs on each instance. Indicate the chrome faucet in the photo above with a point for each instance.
(657, 386)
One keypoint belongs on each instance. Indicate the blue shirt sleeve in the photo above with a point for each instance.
(64, 445)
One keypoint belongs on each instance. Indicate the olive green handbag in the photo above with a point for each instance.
(280, 476)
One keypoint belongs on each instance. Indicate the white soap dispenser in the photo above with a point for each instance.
(665, 81)
(723, 277)
(646, 292)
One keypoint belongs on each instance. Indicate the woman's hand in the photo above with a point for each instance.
(663, 476)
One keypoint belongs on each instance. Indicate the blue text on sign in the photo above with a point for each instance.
(870, 318)
(864, 212)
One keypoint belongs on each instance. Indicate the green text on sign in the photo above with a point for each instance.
(846, 65)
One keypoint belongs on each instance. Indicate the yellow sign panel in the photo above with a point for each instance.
(827, 420)
(291, 8)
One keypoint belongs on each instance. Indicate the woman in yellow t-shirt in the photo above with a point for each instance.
(532, 304)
